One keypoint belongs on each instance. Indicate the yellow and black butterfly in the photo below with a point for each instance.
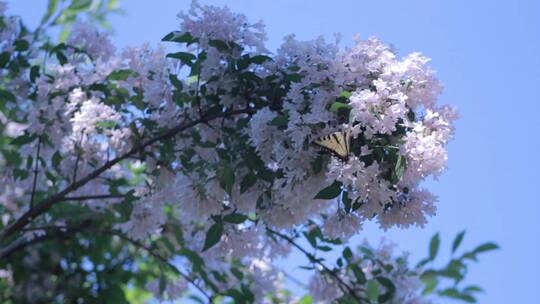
(338, 143)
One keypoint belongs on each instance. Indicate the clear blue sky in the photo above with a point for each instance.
(487, 54)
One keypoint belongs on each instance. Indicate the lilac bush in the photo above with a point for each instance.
(202, 159)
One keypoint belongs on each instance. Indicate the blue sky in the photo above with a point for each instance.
(487, 53)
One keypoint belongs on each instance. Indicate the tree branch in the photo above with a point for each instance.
(342, 285)
(45, 204)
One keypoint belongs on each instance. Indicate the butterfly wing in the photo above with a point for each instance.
(347, 139)
(337, 143)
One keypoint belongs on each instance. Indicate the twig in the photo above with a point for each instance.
(342, 285)
(91, 197)
(293, 279)
(34, 183)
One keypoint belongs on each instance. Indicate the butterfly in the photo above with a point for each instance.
(338, 143)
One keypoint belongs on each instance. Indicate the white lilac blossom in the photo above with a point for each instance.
(173, 290)
(97, 45)
(210, 22)
(324, 289)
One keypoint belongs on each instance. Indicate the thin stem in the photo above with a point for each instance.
(342, 285)
(79, 152)
(92, 197)
(34, 183)
(293, 279)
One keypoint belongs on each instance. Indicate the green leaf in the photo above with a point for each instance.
(52, 5)
(305, 300)
(390, 289)
(249, 76)
(13, 157)
(330, 192)
(184, 57)
(473, 288)
(345, 94)
(430, 282)
(235, 218)
(280, 121)
(4, 59)
(106, 124)
(399, 169)
(455, 294)
(294, 77)
(486, 247)
(411, 116)
(247, 182)
(236, 295)
(162, 284)
(467, 298)
(226, 178)
(311, 237)
(336, 106)
(21, 45)
(347, 202)
(178, 37)
(192, 256)
(213, 235)
(457, 241)
(120, 75)
(61, 58)
(196, 66)
(324, 248)
(7, 96)
(237, 273)
(450, 273)
(219, 44)
(197, 299)
(259, 59)
(250, 297)
(372, 290)
(317, 164)
(222, 153)
(34, 73)
(176, 82)
(347, 254)
(358, 273)
(23, 139)
(434, 246)
(79, 5)
(56, 159)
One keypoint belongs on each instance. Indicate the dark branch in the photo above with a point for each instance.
(45, 204)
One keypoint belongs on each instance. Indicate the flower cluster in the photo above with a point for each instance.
(399, 134)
